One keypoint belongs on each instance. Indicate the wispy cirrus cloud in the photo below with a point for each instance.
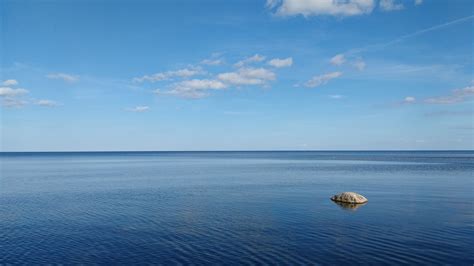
(63, 76)
(319, 80)
(383, 45)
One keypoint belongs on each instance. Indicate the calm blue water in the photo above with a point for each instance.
(236, 208)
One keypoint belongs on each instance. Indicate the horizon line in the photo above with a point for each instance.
(300, 150)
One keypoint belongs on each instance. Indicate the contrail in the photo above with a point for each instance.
(404, 37)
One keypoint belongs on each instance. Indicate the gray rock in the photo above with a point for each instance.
(349, 197)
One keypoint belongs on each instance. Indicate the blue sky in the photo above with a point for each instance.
(236, 75)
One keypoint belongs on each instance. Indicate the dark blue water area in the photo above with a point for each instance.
(249, 208)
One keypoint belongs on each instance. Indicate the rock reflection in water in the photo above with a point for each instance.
(349, 206)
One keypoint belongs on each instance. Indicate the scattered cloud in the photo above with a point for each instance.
(244, 75)
(322, 79)
(248, 76)
(14, 97)
(63, 76)
(418, 2)
(341, 59)
(320, 7)
(212, 62)
(138, 109)
(253, 59)
(13, 102)
(11, 97)
(194, 89)
(277, 62)
(456, 96)
(10, 82)
(46, 103)
(359, 64)
(180, 73)
(390, 5)
(11, 92)
(409, 100)
(338, 60)
(336, 96)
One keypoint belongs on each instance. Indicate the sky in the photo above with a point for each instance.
(137, 75)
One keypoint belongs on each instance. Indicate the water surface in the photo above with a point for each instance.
(236, 208)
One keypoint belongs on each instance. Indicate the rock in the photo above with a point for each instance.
(349, 197)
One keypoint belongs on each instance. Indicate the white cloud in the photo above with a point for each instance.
(181, 73)
(195, 88)
(322, 79)
(63, 76)
(47, 103)
(359, 64)
(338, 60)
(138, 109)
(390, 5)
(418, 2)
(341, 59)
(277, 62)
(13, 102)
(247, 76)
(10, 92)
(336, 96)
(409, 99)
(253, 59)
(212, 62)
(321, 7)
(10, 82)
(456, 96)
(11, 97)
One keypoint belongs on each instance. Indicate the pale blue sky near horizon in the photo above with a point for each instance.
(100, 75)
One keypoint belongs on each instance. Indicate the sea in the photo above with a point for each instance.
(236, 208)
